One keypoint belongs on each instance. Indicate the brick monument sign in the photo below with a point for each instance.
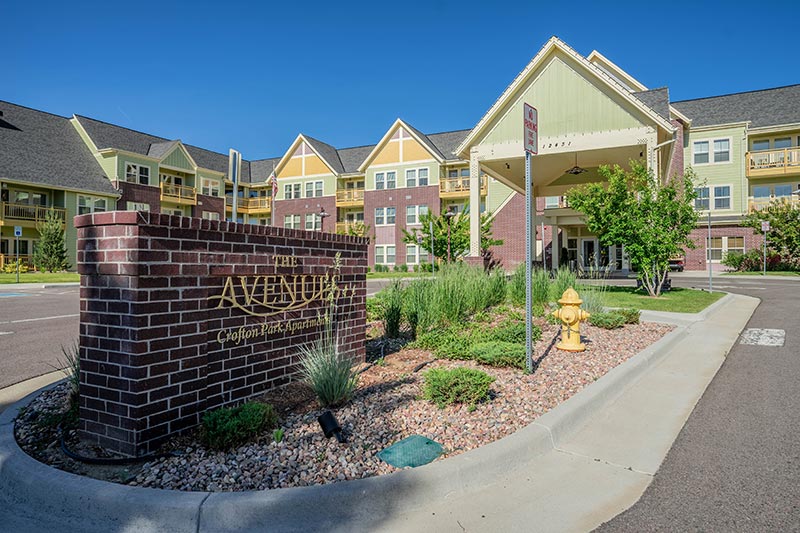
(181, 315)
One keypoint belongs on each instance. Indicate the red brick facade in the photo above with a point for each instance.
(696, 258)
(304, 206)
(159, 347)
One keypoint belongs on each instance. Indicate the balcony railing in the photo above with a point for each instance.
(458, 186)
(773, 162)
(178, 194)
(250, 205)
(349, 197)
(6, 259)
(32, 213)
(345, 228)
(761, 203)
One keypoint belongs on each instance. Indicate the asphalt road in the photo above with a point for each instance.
(736, 464)
(34, 324)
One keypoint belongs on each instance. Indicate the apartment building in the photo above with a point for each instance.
(745, 149)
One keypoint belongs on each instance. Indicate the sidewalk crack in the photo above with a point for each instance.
(200, 512)
(609, 463)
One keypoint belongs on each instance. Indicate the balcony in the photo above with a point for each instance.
(771, 163)
(761, 203)
(6, 259)
(349, 197)
(458, 187)
(178, 194)
(255, 205)
(350, 228)
(29, 215)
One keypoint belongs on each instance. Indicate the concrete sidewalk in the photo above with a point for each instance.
(574, 468)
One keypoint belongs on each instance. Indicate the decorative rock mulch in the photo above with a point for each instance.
(385, 409)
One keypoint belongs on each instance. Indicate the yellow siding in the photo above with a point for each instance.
(414, 151)
(389, 154)
(293, 168)
(314, 165)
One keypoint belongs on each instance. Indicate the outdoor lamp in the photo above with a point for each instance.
(330, 426)
(322, 216)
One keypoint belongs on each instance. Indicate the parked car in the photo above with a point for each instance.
(676, 264)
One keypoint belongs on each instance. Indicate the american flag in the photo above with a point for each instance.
(274, 180)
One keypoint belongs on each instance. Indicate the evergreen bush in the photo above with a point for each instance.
(458, 385)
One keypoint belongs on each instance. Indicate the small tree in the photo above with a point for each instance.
(51, 252)
(459, 235)
(652, 221)
(784, 228)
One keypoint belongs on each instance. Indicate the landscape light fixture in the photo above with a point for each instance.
(322, 216)
(449, 216)
(576, 169)
(330, 426)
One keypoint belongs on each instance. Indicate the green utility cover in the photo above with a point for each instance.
(412, 451)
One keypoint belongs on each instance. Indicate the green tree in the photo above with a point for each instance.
(459, 235)
(784, 228)
(651, 220)
(51, 252)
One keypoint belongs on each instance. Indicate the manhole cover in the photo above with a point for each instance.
(763, 337)
(412, 451)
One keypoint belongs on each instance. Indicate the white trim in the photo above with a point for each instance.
(289, 154)
(220, 187)
(385, 216)
(701, 129)
(556, 44)
(711, 152)
(388, 137)
(775, 129)
(138, 166)
(626, 78)
(92, 208)
(185, 152)
(385, 255)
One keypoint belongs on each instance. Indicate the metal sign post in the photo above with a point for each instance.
(234, 167)
(531, 140)
(708, 255)
(765, 229)
(17, 235)
(433, 254)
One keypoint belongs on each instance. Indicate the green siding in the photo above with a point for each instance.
(434, 169)
(731, 173)
(568, 103)
(328, 185)
(178, 159)
(122, 159)
(497, 194)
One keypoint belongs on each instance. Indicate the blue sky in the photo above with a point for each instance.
(253, 75)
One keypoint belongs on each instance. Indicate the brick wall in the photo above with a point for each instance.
(156, 352)
(209, 203)
(695, 259)
(304, 206)
(133, 192)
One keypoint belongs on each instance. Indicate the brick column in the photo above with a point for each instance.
(156, 353)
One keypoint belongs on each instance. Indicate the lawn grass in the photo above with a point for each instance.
(676, 301)
(39, 277)
(393, 275)
(769, 273)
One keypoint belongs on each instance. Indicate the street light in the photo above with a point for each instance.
(449, 216)
(322, 216)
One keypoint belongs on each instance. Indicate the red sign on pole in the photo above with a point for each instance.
(765, 226)
(531, 126)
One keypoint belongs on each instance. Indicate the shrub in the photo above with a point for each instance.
(594, 298)
(329, 373)
(630, 315)
(10, 267)
(733, 260)
(499, 353)
(402, 268)
(513, 331)
(564, 279)
(71, 367)
(374, 309)
(228, 427)
(607, 320)
(458, 385)
(416, 307)
(392, 309)
(540, 290)
(516, 286)
(450, 343)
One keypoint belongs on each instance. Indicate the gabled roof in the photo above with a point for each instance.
(352, 158)
(158, 150)
(766, 107)
(447, 142)
(111, 136)
(327, 153)
(261, 169)
(554, 43)
(44, 149)
(656, 99)
(415, 134)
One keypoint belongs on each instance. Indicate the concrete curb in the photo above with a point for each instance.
(89, 505)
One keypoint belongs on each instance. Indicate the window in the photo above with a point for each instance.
(318, 188)
(291, 190)
(761, 145)
(210, 215)
(783, 190)
(209, 187)
(761, 191)
(783, 142)
(291, 221)
(90, 204)
(413, 212)
(313, 222)
(412, 254)
(722, 197)
(177, 212)
(411, 177)
(384, 254)
(552, 202)
(721, 151)
(138, 206)
(701, 153)
(313, 188)
(385, 180)
(701, 202)
(137, 173)
(384, 216)
(719, 247)
(422, 174)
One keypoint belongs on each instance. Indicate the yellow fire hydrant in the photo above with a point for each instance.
(571, 315)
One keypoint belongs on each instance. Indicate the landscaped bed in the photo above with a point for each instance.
(386, 407)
